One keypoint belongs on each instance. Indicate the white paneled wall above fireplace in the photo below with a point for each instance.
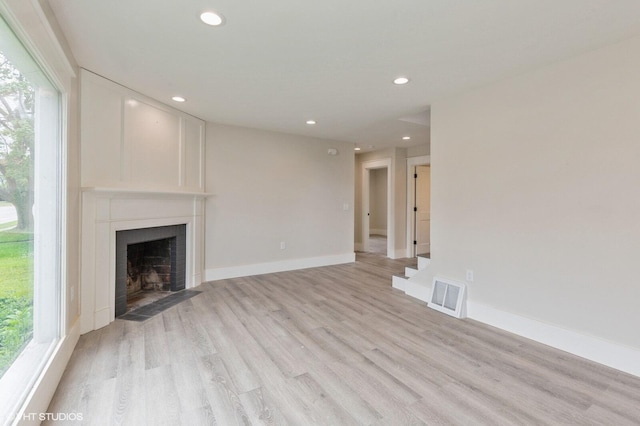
(130, 141)
(142, 166)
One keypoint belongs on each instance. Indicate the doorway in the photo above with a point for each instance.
(378, 211)
(377, 193)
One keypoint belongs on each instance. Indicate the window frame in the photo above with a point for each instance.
(30, 25)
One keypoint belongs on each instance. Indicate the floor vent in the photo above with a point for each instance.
(449, 297)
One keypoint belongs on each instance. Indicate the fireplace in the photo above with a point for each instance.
(150, 263)
(108, 212)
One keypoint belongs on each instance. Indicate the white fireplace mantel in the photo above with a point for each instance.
(108, 210)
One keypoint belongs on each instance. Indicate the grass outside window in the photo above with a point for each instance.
(16, 294)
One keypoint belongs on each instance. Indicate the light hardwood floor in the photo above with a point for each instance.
(330, 346)
(378, 244)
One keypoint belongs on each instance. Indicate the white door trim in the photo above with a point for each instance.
(367, 166)
(423, 160)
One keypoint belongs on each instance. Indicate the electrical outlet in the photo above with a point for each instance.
(282, 245)
(469, 275)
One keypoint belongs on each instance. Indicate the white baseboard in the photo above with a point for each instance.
(101, 318)
(398, 254)
(378, 232)
(418, 291)
(280, 266)
(613, 355)
(620, 357)
(40, 396)
(398, 282)
(196, 280)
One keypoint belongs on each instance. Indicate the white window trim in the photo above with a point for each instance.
(29, 21)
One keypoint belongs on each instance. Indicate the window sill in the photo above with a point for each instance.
(22, 375)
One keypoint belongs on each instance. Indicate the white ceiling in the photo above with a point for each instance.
(275, 64)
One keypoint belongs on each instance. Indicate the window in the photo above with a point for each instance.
(30, 221)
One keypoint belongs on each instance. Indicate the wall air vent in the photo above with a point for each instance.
(449, 297)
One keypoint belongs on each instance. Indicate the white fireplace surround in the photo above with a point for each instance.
(106, 211)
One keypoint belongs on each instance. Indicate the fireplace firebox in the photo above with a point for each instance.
(149, 260)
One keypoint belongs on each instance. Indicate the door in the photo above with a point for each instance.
(422, 209)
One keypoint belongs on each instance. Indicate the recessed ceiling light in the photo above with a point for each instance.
(311, 122)
(178, 99)
(401, 80)
(212, 18)
(357, 148)
(406, 138)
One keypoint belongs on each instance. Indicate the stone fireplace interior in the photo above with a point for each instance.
(150, 265)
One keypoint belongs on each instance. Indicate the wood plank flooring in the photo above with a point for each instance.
(330, 346)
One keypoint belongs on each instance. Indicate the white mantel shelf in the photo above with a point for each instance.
(136, 191)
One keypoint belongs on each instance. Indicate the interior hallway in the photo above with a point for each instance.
(378, 244)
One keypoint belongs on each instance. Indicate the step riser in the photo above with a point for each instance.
(406, 283)
(409, 271)
(423, 262)
(399, 282)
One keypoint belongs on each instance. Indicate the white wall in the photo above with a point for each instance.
(269, 188)
(130, 141)
(400, 202)
(418, 150)
(535, 188)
